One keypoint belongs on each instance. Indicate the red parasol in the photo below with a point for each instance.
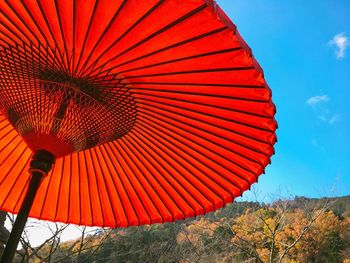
(149, 111)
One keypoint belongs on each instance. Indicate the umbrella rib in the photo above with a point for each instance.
(88, 187)
(192, 72)
(50, 60)
(9, 64)
(122, 165)
(205, 131)
(40, 30)
(210, 115)
(80, 191)
(30, 41)
(200, 161)
(145, 189)
(9, 74)
(146, 162)
(199, 93)
(59, 187)
(153, 153)
(225, 158)
(193, 39)
(51, 63)
(103, 149)
(127, 196)
(52, 35)
(25, 82)
(38, 57)
(23, 192)
(7, 133)
(7, 46)
(14, 148)
(107, 186)
(81, 199)
(198, 84)
(62, 35)
(13, 165)
(104, 182)
(205, 184)
(106, 29)
(97, 187)
(17, 27)
(113, 175)
(192, 189)
(86, 35)
(34, 21)
(207, 104)
(62, 182)
(74, 19)
(12, 37)
(165, 28)
(70, 187)
(47, 190)
(191, 93)
(17, 177)
(122, 36)
(207, 54)
(149, 157)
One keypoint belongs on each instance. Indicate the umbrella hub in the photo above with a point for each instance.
(57, 112)
(61, 118)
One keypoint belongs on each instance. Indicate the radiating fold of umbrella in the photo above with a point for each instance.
(156, 110)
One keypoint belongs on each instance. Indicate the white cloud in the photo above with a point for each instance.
(334, 119)
(319, 105)
(341, 42)
(315, 143)
(317, 99)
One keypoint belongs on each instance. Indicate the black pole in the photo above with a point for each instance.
(40, 165)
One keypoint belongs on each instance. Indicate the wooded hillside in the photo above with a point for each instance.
(299, 230)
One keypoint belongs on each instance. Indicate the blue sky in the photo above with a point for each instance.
(304, 49)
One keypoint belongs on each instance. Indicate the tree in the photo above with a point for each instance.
(4, 233)
(281, 233)
(301, 230)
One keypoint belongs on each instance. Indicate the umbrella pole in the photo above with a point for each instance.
(40, 165)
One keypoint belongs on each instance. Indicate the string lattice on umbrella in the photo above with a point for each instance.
(39, 98)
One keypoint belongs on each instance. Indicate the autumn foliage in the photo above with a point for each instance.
(285, 231)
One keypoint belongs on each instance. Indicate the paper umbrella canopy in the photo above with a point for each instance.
(154, 110)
